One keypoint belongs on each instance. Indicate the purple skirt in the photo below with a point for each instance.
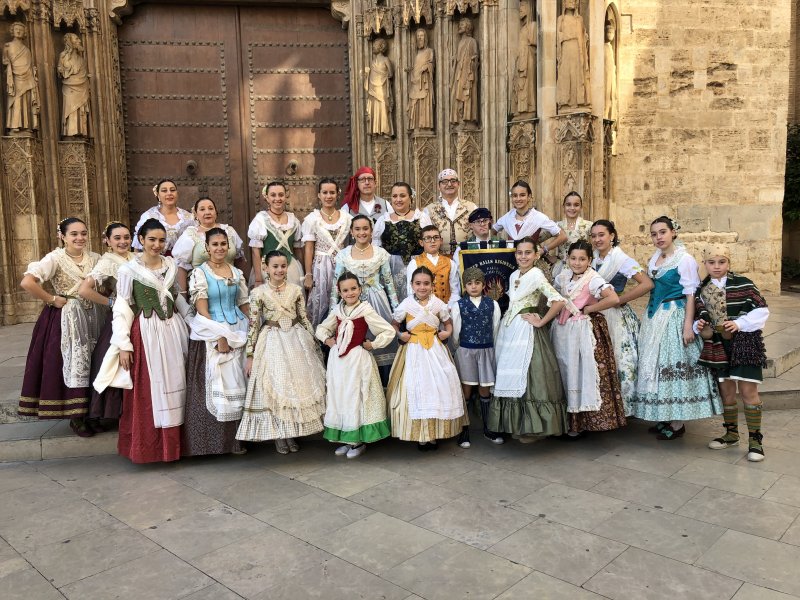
(44, 393)
(108, 404)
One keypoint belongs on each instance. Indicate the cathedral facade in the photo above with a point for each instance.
(645, 107)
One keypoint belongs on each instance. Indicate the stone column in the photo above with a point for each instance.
(426, 159)
(28, 213)
(468, 164)
(522, 152)
(608, 145)
(574, 136)
(385, 165)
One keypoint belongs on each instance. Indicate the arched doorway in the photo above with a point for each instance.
(226, 98)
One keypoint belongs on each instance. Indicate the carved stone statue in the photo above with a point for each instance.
(74, 88)
(420, 93)
(380, 101)
(610, 109)
(22, 111)
(524, 92)
(572, 59)
(464, 91)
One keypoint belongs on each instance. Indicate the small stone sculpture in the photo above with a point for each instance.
(524, 91)
(22, 111)
(420, 94)
(464, 92)
(74, 88)
(610, 109)
(572, 59)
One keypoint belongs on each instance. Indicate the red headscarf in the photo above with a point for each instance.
(351, 194)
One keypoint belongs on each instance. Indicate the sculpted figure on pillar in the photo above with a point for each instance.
(572, 59)
(420, 94)
(610, 108)
(380, 101)
(464, 91)
(22, 108)
(74, 88)
(524, 92)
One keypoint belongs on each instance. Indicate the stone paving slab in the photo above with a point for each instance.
(629, 519)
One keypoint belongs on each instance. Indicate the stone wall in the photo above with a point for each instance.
(704, 95)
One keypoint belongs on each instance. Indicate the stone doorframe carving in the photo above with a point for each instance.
(340, 9)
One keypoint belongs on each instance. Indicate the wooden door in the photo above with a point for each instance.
(225, 98)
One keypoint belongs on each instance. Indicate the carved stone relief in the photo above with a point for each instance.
(426, 156)
(523, 96)
(608, 144)
(464, 88)
(462, 6)
(468, 164)
(76, 163)
(417, 11)
(15, 5)
(21, 83)
(74, 88)
(380, 93)
(574, 135)
(70, 13)
(572, 59)
(421, 85)
(378, 19)
(610, 67)
(386, 169)
(522, 151)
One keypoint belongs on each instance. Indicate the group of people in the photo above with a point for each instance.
(362, 323)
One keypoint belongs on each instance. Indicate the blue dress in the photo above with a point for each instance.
(671, 386)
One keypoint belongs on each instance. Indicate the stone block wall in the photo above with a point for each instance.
(704, 96)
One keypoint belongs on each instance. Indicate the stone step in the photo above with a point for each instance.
(44, 440)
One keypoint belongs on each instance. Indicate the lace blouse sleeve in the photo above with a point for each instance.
(596, 286)
(257, 231)
(198, 286)
(690, 277)
(307, 229)
(182, 250)
(44, 269)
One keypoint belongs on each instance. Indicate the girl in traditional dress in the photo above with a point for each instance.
(525, 221)
(276, 229)
(399, 233)
(528, 398)
(325, 233)
(617, 268)
(424, 393)
(576, 227)
(216, 383)
(100, 287)
(56, 380)
(286, 392)
(356, 407)
(671, 387)
(149, 344)
(731, 313)
(583, 346)
(371, 265)
(190, 251)
(168, 213)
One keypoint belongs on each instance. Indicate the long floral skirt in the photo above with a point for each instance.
(201, 433)
(671, 386)
(44, 393)
(623, 325)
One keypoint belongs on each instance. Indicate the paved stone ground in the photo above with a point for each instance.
(616, 515)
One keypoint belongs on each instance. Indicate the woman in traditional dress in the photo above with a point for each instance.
(583, 346)
(190, 251)
(56, 380)
(168, 213)
(528, 398)
(617, 268)
(276, 229)
(215, 383)
(325, 232)
(100, 287)
(525, 221)
(424, 393)
(148, 347)
(576, 227)
(286, 392)
(671, 387)
(356, 407)
(399, 233)
(371, 265)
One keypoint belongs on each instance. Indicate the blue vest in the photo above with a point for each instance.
(667, 288)
(618, 282)
(477, 329)
(222, 298)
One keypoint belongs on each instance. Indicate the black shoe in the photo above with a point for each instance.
(658, 427)
(422, 447)
(433, 446)
(669, 433)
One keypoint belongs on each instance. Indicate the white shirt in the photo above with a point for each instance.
(455, 281)
(450, 208)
